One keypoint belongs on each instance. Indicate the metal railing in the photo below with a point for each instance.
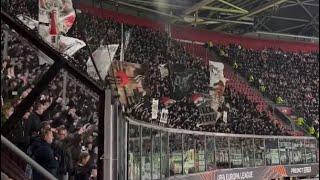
(26, 158)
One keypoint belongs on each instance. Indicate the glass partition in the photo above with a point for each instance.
(165, 166)
(298, 152)
(210, 152)
(188, 154)
(146, 161)
(259, 152)
(200, 154)
(236, 152)
(285, 150)
(175, 145)
(311, 151)
(134, 152)
(222, 152)
(248, 152)
(158, 153)
(272, 152)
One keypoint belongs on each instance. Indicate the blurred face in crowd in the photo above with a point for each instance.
(49, 137)
(62, 134)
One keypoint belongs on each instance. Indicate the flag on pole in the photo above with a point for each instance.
(122, 45)
(70, 45)
(102, 59)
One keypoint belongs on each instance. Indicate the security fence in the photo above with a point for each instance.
(158, 153)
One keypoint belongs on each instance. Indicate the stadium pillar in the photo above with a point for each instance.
(121, 135)
(108, 144)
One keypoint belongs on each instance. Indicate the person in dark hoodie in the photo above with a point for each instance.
(43, 154)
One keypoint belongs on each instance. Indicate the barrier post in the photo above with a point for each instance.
(108, 138)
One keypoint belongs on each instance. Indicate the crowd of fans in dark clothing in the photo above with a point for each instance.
(60, 133)
(292, 76)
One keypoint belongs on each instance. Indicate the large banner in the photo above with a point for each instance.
(258, 173)
(55, 17)
(103, 58)
(216, 73)
(66, 13)
(181, 80)
(28, 21)
(129, 81)
(217, 83)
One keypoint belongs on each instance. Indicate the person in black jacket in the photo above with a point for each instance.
(82, 170)
(65, 158)
(43, 154)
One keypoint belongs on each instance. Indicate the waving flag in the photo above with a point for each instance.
(70, 45)
(102, 59)
(28, 21)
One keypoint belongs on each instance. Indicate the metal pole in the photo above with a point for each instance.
(126, 148)
(229, 152)
(91, 57)
(160, 155)
(265, 149)
(151, 154)
(242, 154)
(215, 150)
(205, 153)
(168, 149)
(108, 138)
(290, 152)
(182, 152)
(194, 151)
(254, 153)
(305, 151)
(279, 151)
(122, 45)
(28, 160)
(140, 135)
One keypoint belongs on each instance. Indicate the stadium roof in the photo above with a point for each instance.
(297, 17)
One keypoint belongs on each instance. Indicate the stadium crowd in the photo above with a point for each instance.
(289, 79)
(60, 133)
(73, 123)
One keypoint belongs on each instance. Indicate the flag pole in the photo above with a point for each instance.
(84, 37)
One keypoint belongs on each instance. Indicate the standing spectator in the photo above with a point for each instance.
(44, 155)
(65, 161)
(82, 170)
